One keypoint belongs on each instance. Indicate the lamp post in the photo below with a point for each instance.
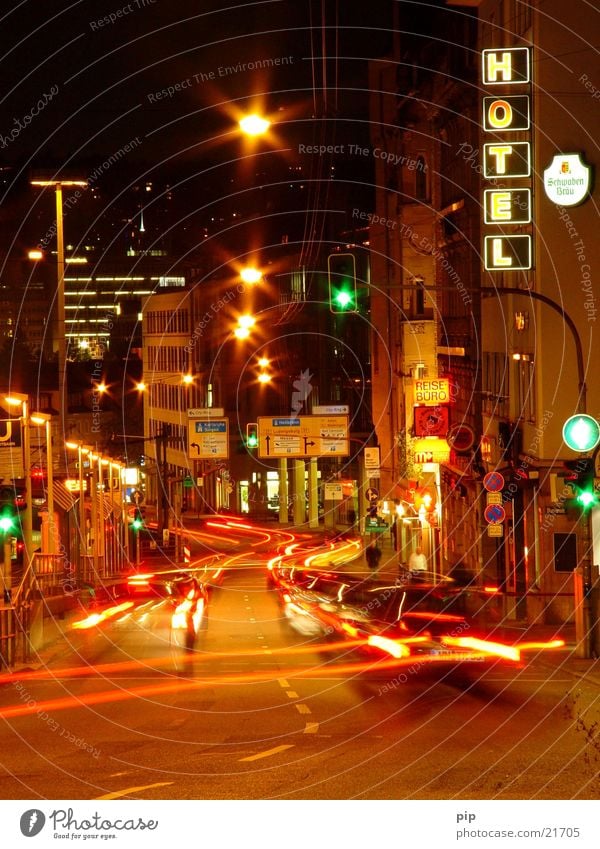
(81, 451)
(14, 399)
(61, 346)
(50, 542)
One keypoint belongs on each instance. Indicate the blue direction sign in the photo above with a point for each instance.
(494, 514)
(493, 482)
(208, 439)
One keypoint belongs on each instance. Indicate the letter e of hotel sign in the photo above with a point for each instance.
(506, 114)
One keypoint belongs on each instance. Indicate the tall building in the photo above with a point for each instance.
(493, 245)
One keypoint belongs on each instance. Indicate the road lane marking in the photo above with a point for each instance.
(267, 753)
(303, 709)
(291, 694)
(118, 793)
(283, 683)
(311, 728)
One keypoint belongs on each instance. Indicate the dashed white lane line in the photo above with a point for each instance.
(283, 683)
(118, 793)
(303, 709)
(268, 753)
(292, 694)
(311, 728)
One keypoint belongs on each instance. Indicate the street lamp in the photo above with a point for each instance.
(244, 326)
(251, 275)
(14, 400)
(45, 419)
(60, 289)
(254, 125)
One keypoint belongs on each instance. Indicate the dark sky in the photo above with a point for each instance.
(99, 81)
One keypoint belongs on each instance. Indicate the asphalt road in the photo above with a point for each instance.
(260, 711)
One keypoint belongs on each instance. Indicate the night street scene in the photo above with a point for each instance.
(300, 416)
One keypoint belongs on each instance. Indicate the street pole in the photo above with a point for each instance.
(582, 574)
(61, 345)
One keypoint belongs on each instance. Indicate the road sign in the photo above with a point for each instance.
(375, 526)
(303, 436)
(494, 514)
(496, 530)
(208, 439)
(333, 492)
(461, 437)
(493, 498)
(493, 482)
(371, 458)
(371, 494)
(331, 410)
(206, 413)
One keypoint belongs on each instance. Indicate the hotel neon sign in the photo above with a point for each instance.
(505, 160)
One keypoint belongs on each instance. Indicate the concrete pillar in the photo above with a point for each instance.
(299, 493)
(283, 491)
(313, 494)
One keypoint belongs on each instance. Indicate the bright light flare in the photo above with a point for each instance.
(250, 275)
(254, 125)
(264, 377)
(35, 255)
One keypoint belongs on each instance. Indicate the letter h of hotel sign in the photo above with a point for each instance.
(507, 159)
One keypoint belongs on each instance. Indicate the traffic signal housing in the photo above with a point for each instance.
(581, 479)
(252, 435)
(341, 274)
(138, 520)
(9, 511)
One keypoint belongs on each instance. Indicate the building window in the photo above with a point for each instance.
(525, 386)
(494, 383)
(421, 179)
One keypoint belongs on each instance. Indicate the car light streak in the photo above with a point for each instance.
(390, 646)
(175, 687)
(551, 644)
(433, 617)
(485, 646)
(96, 618)
(491, 589)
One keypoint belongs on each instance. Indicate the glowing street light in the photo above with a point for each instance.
(254, 125)
(251, 275)
(35, 254)
(244, 326)
(264, 377)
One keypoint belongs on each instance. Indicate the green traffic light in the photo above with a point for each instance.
(252, 441)
(586, 499)
(137, 524)
(6, 524)
(343, 299)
